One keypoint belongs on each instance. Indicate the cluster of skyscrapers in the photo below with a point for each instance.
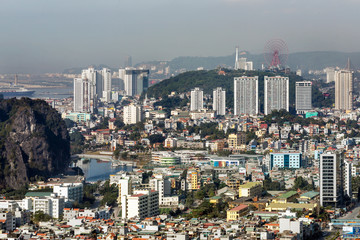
(93, 85)
(246, 96)
(96, 85)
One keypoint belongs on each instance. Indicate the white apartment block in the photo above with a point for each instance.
(70, 191)
(99, 83)
(343, 90)
(125, 188)
(197, 99)
(81, 95)
(246, 95)
(74, 213)
(144, 203)
(276, 94)
(219, 101)
(303, 97)
(135, 80)
(163, 186)
(347, 178)
(53, 205)
(243, 64)
(330, 74)
(132, 114)
(106, 75)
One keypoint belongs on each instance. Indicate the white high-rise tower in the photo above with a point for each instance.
(135, 80)
(276, 93)
(81, 95)
(246, 95)
(236, 67)
(219, 101)
(344, 90)
(106, 76)
(197, 99)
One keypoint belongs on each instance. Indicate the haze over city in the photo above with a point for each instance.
(49, 36)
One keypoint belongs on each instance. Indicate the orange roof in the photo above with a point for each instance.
(239, 208)
(137, 195)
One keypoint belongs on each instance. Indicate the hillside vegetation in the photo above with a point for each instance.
(209, 80)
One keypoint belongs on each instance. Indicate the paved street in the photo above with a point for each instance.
(353, 214)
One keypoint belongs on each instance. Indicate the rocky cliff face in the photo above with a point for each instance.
(33, 141)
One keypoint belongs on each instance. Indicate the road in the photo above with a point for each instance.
(353, 213)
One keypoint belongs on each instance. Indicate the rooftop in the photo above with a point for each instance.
(287, 195)
(239, 208)
(38, 194)
(310, 194)
(250, 184)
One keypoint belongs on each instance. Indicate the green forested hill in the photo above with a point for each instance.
(208, 80)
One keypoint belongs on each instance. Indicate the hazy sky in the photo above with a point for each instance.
(50, 35)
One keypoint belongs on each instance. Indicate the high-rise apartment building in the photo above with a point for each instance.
(276, 93)
(81, 95)
(135, 80)
(344, 90)
(100, 81)
(303, 97)
(144, 203)
(246, 95)
(331, 179)
(197, 99)
(125, 187)
(132, 114)
(105, 74)
(219, 101)
(162, 185)
(347, 178)
(330, 74)
(90, 75)
(98, 86)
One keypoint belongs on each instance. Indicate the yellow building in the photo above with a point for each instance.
(235, 213)
(215, 199)
(193, 178)
(250, 189)
(274, 207)
(236, 140)
(233, 183)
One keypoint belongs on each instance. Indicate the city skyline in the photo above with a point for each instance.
(52, 36)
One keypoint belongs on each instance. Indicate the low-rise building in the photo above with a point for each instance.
(237, 212)
(250, 189)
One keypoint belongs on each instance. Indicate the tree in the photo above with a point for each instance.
(156, 138)
(40, 216)
(301, 183)
(110, 194)
(119, 123)
(69, 123)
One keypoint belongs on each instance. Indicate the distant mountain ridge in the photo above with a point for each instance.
(302, 60)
